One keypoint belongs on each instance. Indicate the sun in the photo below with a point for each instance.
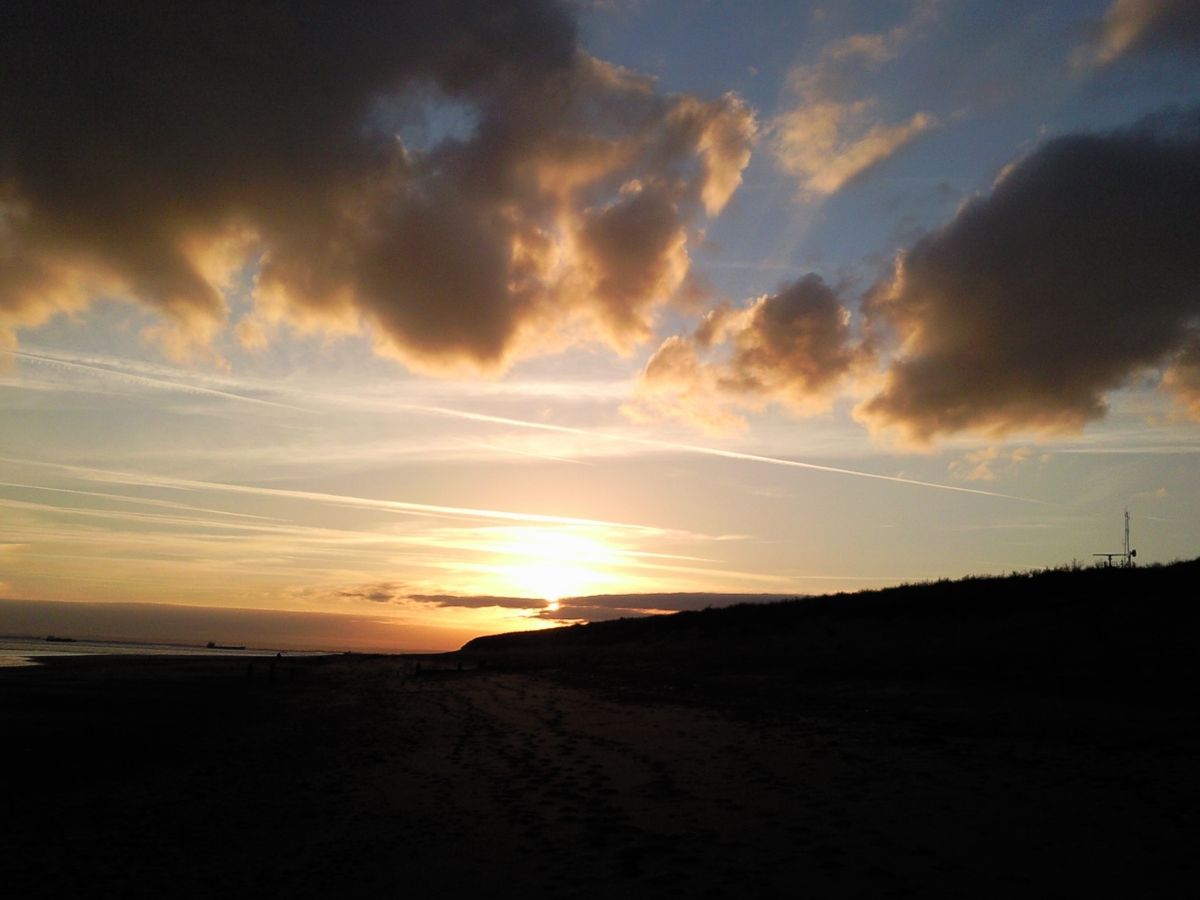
(551, 581)
(553, 564)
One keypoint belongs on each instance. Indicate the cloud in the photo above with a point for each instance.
(827, 144)
(793, 347)
(675, 383)
(599, 607)
(1182, 377)
(1077, 272)
(476, 602)
(1132, 27)
(462, 182)
(1072, 277)
(384, 592)
(990, 463)
(833, 134)
(614, 606)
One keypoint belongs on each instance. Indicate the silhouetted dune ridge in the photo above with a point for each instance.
(1074, 622)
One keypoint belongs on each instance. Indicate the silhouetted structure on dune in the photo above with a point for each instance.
(1126, 556)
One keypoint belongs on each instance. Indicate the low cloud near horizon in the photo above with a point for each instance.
(598, 607)
(601, 607)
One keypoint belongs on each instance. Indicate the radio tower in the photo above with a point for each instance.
(1126, 556)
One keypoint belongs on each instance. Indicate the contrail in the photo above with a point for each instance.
(143, 501)
(160, 383)
(185, 484)
(541, 426)
(710, 451)
(525, 453)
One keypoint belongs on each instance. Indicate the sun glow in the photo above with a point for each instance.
(551, 563)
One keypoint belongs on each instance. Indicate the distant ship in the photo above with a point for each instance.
(213, 645)
(59, 640)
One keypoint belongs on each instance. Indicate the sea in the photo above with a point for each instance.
(25, 651)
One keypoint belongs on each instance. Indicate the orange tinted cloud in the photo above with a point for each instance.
(794, 347)
(833, 133)
(1182, 377)
(991, 463)
(1134, 26)
(827, 144)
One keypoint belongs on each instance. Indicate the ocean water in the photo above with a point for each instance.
(27, 651)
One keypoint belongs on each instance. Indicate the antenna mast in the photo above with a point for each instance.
(1126, 556)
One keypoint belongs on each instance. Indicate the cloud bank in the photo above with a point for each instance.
(460, 180)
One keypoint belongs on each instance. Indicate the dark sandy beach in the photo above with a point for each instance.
(182, 777)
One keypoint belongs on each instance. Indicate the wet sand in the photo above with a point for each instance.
(185, 777)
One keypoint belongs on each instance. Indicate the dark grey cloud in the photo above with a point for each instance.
(458, 178)
(384, 592)
(794, 343)
(390, 592)
(1079, 271)
(601, 607)
(597, 607)
(482, 601)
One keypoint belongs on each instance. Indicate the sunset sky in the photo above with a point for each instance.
(456, 318)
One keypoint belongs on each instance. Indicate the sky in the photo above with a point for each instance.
(384, 326)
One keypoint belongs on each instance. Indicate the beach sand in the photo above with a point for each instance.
(183, 777)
